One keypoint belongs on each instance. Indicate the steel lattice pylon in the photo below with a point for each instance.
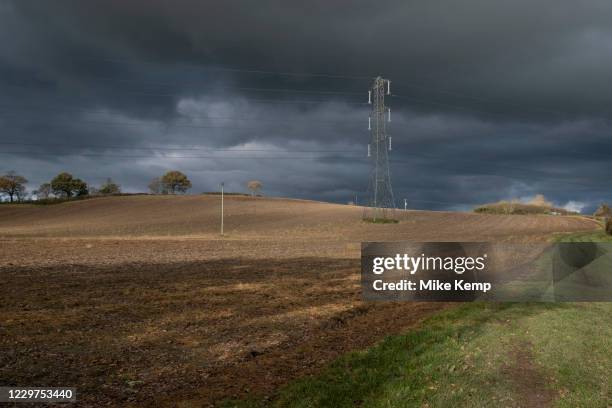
(381, 203)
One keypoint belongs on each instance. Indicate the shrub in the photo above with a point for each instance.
(381, 220)
(109, 188)
(609, 226)
(603, 211)
(511, 207)
(516, 207)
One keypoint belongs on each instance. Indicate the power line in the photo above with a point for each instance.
(239, 98)
(28, 110)
(524, 113)
(422, 101)
(401, 83)
(164, 156)
(416, 100)
(338, 153)
(224, 88)
(338, 92)
(277, 90)
(550, 179)
(338, 76)
(300, 74)
(471, 97)
(547, 178)
(186, 147)
(232, 69)
(255, 89)
(134, 123)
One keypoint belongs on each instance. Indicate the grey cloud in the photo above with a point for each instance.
(493, 99)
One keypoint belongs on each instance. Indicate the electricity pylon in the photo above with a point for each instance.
(380, 193)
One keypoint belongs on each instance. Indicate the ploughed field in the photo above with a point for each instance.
(139, 300)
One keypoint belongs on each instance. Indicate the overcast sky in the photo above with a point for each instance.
(491, 99)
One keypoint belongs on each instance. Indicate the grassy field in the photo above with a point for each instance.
(598, 236)
(476, 355)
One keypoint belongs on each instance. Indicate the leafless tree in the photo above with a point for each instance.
(254, 186)
(13, 185)
(44, 191)
(156, 186)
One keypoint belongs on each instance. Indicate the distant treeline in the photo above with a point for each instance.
(65, 187)
(59, 200)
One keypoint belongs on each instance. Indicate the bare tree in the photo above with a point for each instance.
(44, 191)
(254, 186)
(13, 185)
(156, 186)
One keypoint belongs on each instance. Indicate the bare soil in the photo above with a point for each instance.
(529, 380)
(138, 300)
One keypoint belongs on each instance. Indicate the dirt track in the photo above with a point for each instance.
(133, 297)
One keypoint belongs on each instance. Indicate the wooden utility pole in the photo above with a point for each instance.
(221, 208)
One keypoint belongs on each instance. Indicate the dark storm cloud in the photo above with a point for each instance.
(492, 99)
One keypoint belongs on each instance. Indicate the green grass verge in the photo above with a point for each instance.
(466, 356)
(475, 355)
(596, 236)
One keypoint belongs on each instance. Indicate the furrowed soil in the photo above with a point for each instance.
(139, 301)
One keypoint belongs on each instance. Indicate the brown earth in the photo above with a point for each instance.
(529, 380)
(139, 300)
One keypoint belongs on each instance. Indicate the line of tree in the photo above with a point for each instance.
(66, 186)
